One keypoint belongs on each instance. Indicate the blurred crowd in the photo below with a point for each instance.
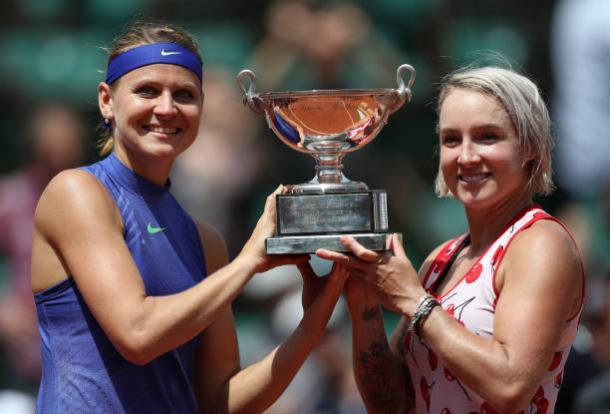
(224, 177)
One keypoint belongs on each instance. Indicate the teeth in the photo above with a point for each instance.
(473, 178)
(162, 130)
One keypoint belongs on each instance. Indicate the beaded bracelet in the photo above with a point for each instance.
(422, 311)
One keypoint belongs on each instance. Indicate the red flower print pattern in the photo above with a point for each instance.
(451, 309)
(558, 379)
(474, 273)
(487, 408)
(556, 360)
(496, 256)
(539, 401)
(424, 388)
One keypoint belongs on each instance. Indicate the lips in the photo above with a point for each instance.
(162, 130)
(473, 178)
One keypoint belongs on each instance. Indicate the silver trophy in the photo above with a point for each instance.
(328, 124)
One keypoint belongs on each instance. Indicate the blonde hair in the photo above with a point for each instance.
(140, 33)
(526, 110)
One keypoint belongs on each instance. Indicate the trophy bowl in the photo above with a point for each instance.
(328, 124)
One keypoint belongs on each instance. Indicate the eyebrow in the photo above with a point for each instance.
(488, 126)
(483, 126)
(155, 82)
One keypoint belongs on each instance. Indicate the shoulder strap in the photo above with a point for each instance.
(443, 261)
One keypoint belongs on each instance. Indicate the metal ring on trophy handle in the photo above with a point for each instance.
(249, 90)
(404, 91)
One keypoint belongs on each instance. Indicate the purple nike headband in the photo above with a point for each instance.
(169, 53)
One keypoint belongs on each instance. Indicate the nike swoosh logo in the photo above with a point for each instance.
(154, 230)
(164, 53)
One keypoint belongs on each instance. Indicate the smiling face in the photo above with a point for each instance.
(155, 113)
(479, 154)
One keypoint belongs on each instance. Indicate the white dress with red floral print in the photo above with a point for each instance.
(472, 302)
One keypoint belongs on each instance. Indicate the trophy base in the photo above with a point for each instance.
(308, 244)
(307, 222)
(320, 214)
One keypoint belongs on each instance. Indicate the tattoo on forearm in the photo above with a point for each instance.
(384, 379)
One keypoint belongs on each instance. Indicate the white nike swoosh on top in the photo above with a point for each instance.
(164, 53)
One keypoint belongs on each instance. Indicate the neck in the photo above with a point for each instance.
(485, 225)
(155, 169)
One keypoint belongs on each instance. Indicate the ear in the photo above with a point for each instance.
(104, 100)
(528, 158)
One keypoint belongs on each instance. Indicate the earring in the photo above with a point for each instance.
(107, 123)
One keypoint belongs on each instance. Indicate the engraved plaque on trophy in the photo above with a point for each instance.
(328, 124)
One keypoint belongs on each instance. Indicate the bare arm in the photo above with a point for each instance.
(77, 218)
(221, 385)
(379, 368)
(539, 292)
(256, 387)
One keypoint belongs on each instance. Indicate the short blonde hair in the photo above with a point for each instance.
(521, 100)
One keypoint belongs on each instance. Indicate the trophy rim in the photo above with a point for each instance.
(328, 92)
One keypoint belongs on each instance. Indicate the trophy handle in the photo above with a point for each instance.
(246, 80)
(404, 91)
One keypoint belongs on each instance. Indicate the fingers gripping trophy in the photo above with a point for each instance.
(328, 124)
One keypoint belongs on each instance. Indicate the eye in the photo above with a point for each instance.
(183, 95)
(450, 140)
(489, 137)
(146, 91)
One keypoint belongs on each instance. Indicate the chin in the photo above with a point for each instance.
(165, 151)
(475, 201)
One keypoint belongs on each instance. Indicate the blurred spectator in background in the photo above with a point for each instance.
(580, 52)
(327, 47)
(56, 143)
(581, 61)
(594, 396)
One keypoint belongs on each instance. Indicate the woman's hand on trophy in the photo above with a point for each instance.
(391, 274)
(254, 249)
(314, 285)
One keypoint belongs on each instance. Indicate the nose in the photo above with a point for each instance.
(468, 153)
(165, 104)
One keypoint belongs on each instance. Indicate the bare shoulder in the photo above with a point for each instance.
(71, 195)
(544, 258)
(546, 241)
(73, 213)
(214, 246)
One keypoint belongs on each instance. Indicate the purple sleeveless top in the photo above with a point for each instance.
(82, 371)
